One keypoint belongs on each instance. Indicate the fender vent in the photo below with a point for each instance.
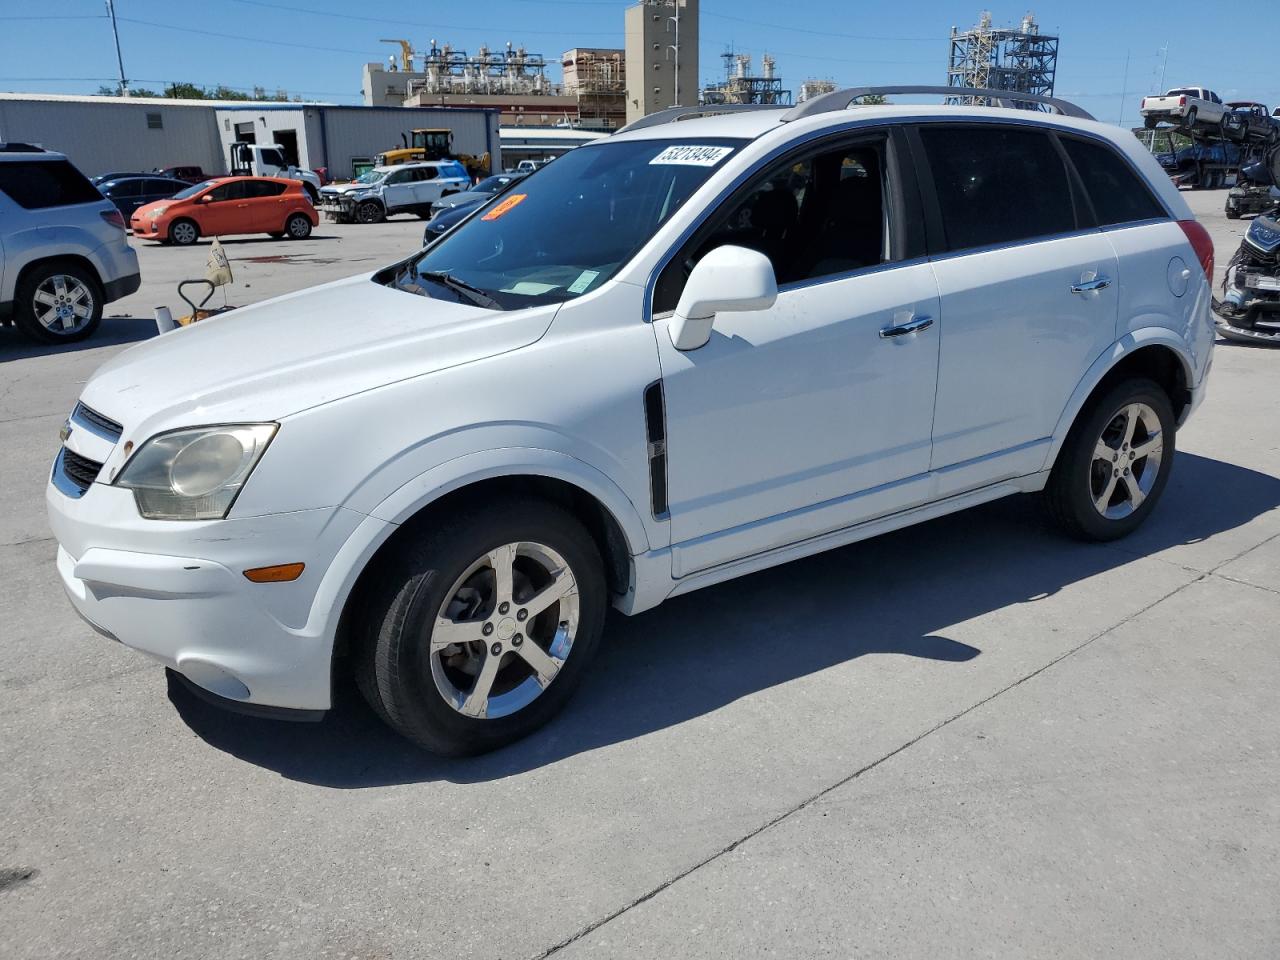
(655, 422)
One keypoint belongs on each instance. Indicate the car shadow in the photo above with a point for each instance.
(113, 332)
(895, 595)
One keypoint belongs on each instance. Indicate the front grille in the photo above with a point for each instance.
(93, 420)
(81, 471)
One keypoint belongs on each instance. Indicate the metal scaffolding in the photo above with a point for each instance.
(739, 86)
(1023, 60)
(509, 71)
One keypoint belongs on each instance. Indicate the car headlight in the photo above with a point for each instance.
(194, 474)
(155, 214)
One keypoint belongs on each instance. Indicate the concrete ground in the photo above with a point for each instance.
(968, 738)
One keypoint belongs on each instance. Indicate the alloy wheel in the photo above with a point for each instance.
(1126, 461)
(184, 233)
(504, 631)
(63, 304)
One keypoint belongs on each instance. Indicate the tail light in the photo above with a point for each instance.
(114, 217)
(1201, 243)
(1182, 101)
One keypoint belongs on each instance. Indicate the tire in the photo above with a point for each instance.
(1079, 476)
(429, 693)
(184, 232)
(369, 212)
(58, 302)
(297, 227)
(1150, 123)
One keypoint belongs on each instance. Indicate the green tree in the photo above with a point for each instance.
(184, 91)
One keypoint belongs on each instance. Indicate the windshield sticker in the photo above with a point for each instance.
(583, 281)
(529, 288)
(691, 155)
(505, 207)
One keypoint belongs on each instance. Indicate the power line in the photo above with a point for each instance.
(435, 25)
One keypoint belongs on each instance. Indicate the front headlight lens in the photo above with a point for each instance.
(156, 213)
(194, 474)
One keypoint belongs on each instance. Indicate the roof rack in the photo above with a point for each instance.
(842, 99)
(689, 113)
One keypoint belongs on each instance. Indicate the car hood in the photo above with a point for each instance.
(283, 356)
(347, 187)
(146, 208)
(467, 196)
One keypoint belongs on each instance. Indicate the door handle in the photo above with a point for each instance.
(1088, 286)
(903, 329)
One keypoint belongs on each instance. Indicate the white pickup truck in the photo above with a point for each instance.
(268, 160)
(1189, 107)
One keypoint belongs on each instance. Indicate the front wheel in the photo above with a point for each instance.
(183, 232)
(477, 635)
(1115, 463)
(369, 212)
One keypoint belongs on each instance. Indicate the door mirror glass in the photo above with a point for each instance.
(728, 278)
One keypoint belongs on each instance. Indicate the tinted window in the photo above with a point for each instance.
(273, 157)
(263, 188)
(425, 173)
(165, 187)
(36, 184)
(996, 185)
(123, 188)
(399, 176)
(1118, 194)
(235, 190)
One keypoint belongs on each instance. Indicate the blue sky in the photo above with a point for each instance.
(315, 47)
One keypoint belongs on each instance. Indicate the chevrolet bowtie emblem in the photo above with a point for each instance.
(65, 432)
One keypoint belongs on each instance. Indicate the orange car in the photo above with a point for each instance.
(228, 205)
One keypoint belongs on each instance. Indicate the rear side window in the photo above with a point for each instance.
(1119, 195)
(37, 184)
(996, 185)
(264, 188)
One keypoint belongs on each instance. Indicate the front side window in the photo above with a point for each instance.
(38, 184)
(193, 190)
(570, 228)
(818, 216)
(399, 176)
(997, 185)
(1118, 194)
(273, 158)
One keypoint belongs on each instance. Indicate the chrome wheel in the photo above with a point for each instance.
(183, 233)
(504, 631)
(63, 304)
(1126, 461)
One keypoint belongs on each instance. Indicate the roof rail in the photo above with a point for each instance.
(689, 113)
(842, 99)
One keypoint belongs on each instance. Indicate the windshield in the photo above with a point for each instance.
(491, 184)
(192, 191)
(567, 229)
(371, 176)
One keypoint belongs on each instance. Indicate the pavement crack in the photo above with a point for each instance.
(831, 788)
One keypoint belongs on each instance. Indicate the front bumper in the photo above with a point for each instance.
(176, 591)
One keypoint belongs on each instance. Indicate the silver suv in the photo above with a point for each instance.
(63, 248)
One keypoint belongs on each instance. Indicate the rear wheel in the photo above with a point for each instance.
(1115, 463)
(478, 635)
(297, 227)
(58, 303)
(183, 232)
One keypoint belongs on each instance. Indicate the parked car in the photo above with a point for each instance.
(385, 191)
(678, 355)
(107, 177)
(1190, 107)
(1203, 165)
(227, 206)
(130, 193)
(1249, 121)
(453, 210)
(528, 166)
(186, 174)
(63, 248)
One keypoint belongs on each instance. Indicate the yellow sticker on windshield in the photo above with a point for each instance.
(505, 206)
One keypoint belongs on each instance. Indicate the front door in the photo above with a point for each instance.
(815, 414)
(397, 189)
(224, 210)
(1029, 297)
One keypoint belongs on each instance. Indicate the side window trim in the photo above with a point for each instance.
(1081, 203)
(1102, 143)
(897, 201)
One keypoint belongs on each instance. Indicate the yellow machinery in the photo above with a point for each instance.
(432, 144)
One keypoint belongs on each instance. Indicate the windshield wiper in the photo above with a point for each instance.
(472, 293)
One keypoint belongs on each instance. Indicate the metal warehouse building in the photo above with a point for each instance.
(104, 134)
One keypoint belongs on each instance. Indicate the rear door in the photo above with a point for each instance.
(266, 200)
(1028, 295)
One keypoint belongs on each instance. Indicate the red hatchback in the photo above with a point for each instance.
(229, 205)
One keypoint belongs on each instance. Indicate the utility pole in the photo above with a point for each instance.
(111, 12)
(1124, 89)
(675, 48)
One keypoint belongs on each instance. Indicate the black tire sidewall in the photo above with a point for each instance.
(1077, 458)
(419, 576)
(25, 316)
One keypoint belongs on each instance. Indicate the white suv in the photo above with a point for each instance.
(63, 248)
(675, 356)
(385, 191)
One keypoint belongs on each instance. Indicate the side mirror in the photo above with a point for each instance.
(727, 278)
(207, 198)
